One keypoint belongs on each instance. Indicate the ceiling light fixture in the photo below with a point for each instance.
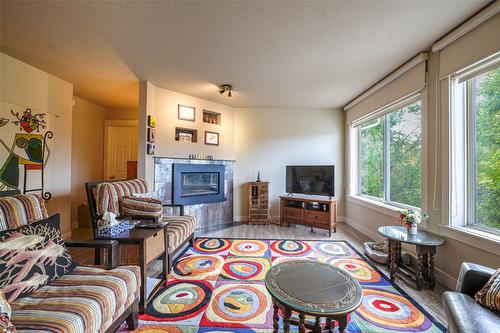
(223, 88)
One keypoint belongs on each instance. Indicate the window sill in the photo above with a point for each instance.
(473, 237)
(381, 207)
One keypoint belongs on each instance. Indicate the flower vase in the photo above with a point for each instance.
(413, 229)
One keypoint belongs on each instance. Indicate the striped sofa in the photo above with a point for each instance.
(110, 197)
(88, 299)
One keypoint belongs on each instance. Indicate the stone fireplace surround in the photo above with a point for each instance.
(208, 215)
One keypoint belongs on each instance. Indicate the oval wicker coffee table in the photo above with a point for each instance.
(313, 289)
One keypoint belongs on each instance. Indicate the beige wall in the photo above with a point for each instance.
(87, 147)
(28, 86)
(267, 140)
(121, 114)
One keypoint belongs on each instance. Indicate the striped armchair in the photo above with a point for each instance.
(87, 299)
(115, 196)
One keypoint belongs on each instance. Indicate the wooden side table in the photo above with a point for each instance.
(143, 247)
(425, 243)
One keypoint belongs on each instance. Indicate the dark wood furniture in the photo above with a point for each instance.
(131, 169)
(130, 315)
(426, 244)
(312, 289)
(258, 202)
(311, 211)
(143, 247)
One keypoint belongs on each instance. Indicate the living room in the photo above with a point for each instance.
(350, 143)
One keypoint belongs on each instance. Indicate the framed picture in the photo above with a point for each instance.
(186, 135)
(151, 135)
(151, 121)
(211, 138)
(186, 112)
(150, 148)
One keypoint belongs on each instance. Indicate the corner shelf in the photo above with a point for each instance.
(186, 134)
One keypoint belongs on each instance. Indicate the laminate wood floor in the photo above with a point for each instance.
(428, 299)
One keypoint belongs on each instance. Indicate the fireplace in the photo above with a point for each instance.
(197, 183)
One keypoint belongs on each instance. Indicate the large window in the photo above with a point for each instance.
(478, 103)
(389, 157)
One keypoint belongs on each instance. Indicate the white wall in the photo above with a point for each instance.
(267, 140)
(28, 86)
(87, 147)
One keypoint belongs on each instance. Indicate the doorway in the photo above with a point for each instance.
(120, 147)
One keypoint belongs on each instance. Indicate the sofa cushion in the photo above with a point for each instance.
(32, 256)
(465, 315)
(21, 209)
(489, 295)
(147, 207)
(89, 299)
(109, 194)
(179, 228)
(5, 314)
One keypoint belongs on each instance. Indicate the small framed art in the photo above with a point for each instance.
(150, 148)
(211, 138)
(151, 135)
(186, 112)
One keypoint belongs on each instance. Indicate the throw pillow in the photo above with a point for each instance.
(145, 207)
(5, 312)
(21, 209)
(32, 256)
(489, 296)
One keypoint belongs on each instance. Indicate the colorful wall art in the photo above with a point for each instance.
(25, 143)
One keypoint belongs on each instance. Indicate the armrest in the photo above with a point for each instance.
(110, 245)
(472, 278)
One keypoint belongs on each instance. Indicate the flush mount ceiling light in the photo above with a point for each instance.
(223, 88)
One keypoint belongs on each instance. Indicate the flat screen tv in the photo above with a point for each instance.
(311, 179)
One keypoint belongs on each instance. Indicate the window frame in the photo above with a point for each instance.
(464, 140)
(386, 151)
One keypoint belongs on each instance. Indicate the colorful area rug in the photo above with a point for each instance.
(218, 286)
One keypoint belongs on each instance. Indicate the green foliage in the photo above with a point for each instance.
(488, 151)
(404, 156)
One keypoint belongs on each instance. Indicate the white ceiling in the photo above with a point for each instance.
(275, 54)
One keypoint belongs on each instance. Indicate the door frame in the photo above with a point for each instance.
(114, 123)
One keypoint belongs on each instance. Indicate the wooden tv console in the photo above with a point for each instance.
(311, 211)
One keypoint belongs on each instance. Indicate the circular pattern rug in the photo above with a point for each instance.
(331, 249)
(196, 267)
(180, 300)
(239, 303)
(390, 311)
(290, 247)
(245, 268)
(249, 248)
(358, 268)
(211, 245)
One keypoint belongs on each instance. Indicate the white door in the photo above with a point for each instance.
(120, 147)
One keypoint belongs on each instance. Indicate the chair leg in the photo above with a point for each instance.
(132, 319)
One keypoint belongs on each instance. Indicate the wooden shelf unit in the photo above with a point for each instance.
(311, 211)
(258, 203)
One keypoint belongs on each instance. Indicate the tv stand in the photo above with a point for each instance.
(311, 211)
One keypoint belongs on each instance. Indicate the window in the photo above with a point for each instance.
(389, 157)
(477, 103)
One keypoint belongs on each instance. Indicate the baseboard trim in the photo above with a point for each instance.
(443, 277)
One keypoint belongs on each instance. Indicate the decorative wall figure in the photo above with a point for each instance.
(24, 149)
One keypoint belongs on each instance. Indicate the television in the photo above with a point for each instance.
(311, 179)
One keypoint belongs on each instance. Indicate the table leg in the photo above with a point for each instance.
(398, 253)
(302, 326)
(389, 254)
(342, 323)
(276, 318)
(317, 325)
(329, 325)
(393, 258)
(420, 270)
(432, 278)
(286, 319)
